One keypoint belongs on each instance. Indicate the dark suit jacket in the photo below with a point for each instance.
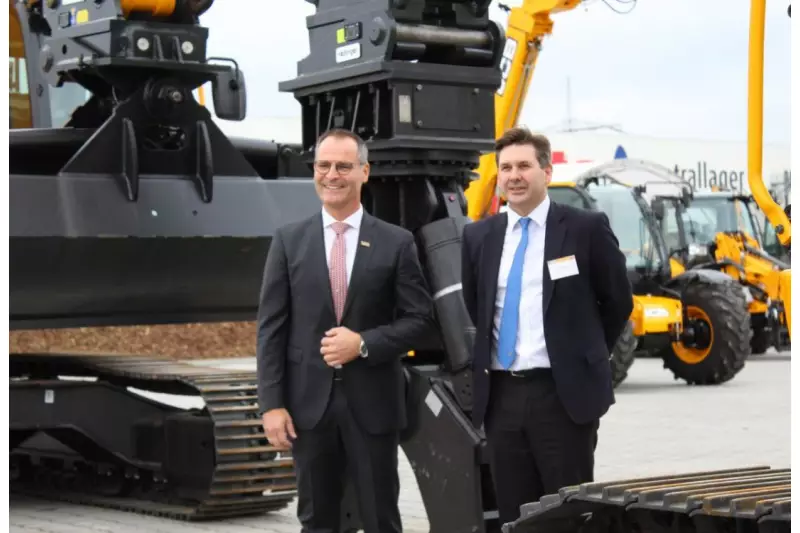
(583, 314)
(387, 303)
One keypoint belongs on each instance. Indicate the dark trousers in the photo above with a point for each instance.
(534, 447)
(339, 447)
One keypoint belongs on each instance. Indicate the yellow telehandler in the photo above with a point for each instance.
(694, 319)
(718, 230)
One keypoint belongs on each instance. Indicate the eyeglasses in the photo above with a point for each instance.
(341, 168)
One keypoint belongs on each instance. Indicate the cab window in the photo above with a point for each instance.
(567, 196)
(19, 100)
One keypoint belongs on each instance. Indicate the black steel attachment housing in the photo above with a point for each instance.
(141, 71)
(415, 79)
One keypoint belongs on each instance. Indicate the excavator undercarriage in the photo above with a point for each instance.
(141, 211)
(137, 454)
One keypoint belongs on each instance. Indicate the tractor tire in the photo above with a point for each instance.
(623, 355)
(760, 342)
(723, 307)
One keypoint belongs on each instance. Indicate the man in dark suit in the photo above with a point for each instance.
(547, 289)
(343, 299)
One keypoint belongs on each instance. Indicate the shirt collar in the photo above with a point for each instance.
(538, 215)
(354, 220)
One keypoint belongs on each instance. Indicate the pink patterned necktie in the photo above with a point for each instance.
(338, 269)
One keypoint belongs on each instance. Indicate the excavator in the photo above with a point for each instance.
(139, 210)
(118, 179)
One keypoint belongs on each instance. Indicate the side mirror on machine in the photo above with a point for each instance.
(686, 196)
(658, 209)
(230, 94)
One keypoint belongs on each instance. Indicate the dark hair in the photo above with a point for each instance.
(363, 153)
(520, 135)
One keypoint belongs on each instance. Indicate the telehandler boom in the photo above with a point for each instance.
(528, 24)
(776, 216)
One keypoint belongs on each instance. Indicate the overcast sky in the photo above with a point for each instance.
(669, 68)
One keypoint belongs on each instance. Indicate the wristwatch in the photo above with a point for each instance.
(362, 350)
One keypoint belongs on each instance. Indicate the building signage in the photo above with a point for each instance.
(702, 176)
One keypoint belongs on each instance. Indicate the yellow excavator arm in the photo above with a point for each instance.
(527, 26)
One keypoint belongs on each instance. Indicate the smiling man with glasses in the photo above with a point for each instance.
(343, 299)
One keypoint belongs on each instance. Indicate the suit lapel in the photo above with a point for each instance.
(553, 242)
(364, 245)
(318, 261)
(493, 252)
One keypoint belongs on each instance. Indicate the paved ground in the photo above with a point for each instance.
(658, 426)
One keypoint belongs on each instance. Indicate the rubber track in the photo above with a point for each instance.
(698, 501)
(249, 477)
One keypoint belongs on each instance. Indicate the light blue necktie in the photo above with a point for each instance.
(509, 323)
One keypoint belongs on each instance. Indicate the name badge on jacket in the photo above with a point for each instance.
(563, 267)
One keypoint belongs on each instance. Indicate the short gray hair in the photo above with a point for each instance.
(363, 152)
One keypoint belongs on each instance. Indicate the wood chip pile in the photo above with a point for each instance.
(183, 341)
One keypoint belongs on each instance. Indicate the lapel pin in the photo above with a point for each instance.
(365, 243)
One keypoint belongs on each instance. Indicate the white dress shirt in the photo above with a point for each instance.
(350, 237)
(531, 348)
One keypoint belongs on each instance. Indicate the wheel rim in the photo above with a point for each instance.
(691, 355)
